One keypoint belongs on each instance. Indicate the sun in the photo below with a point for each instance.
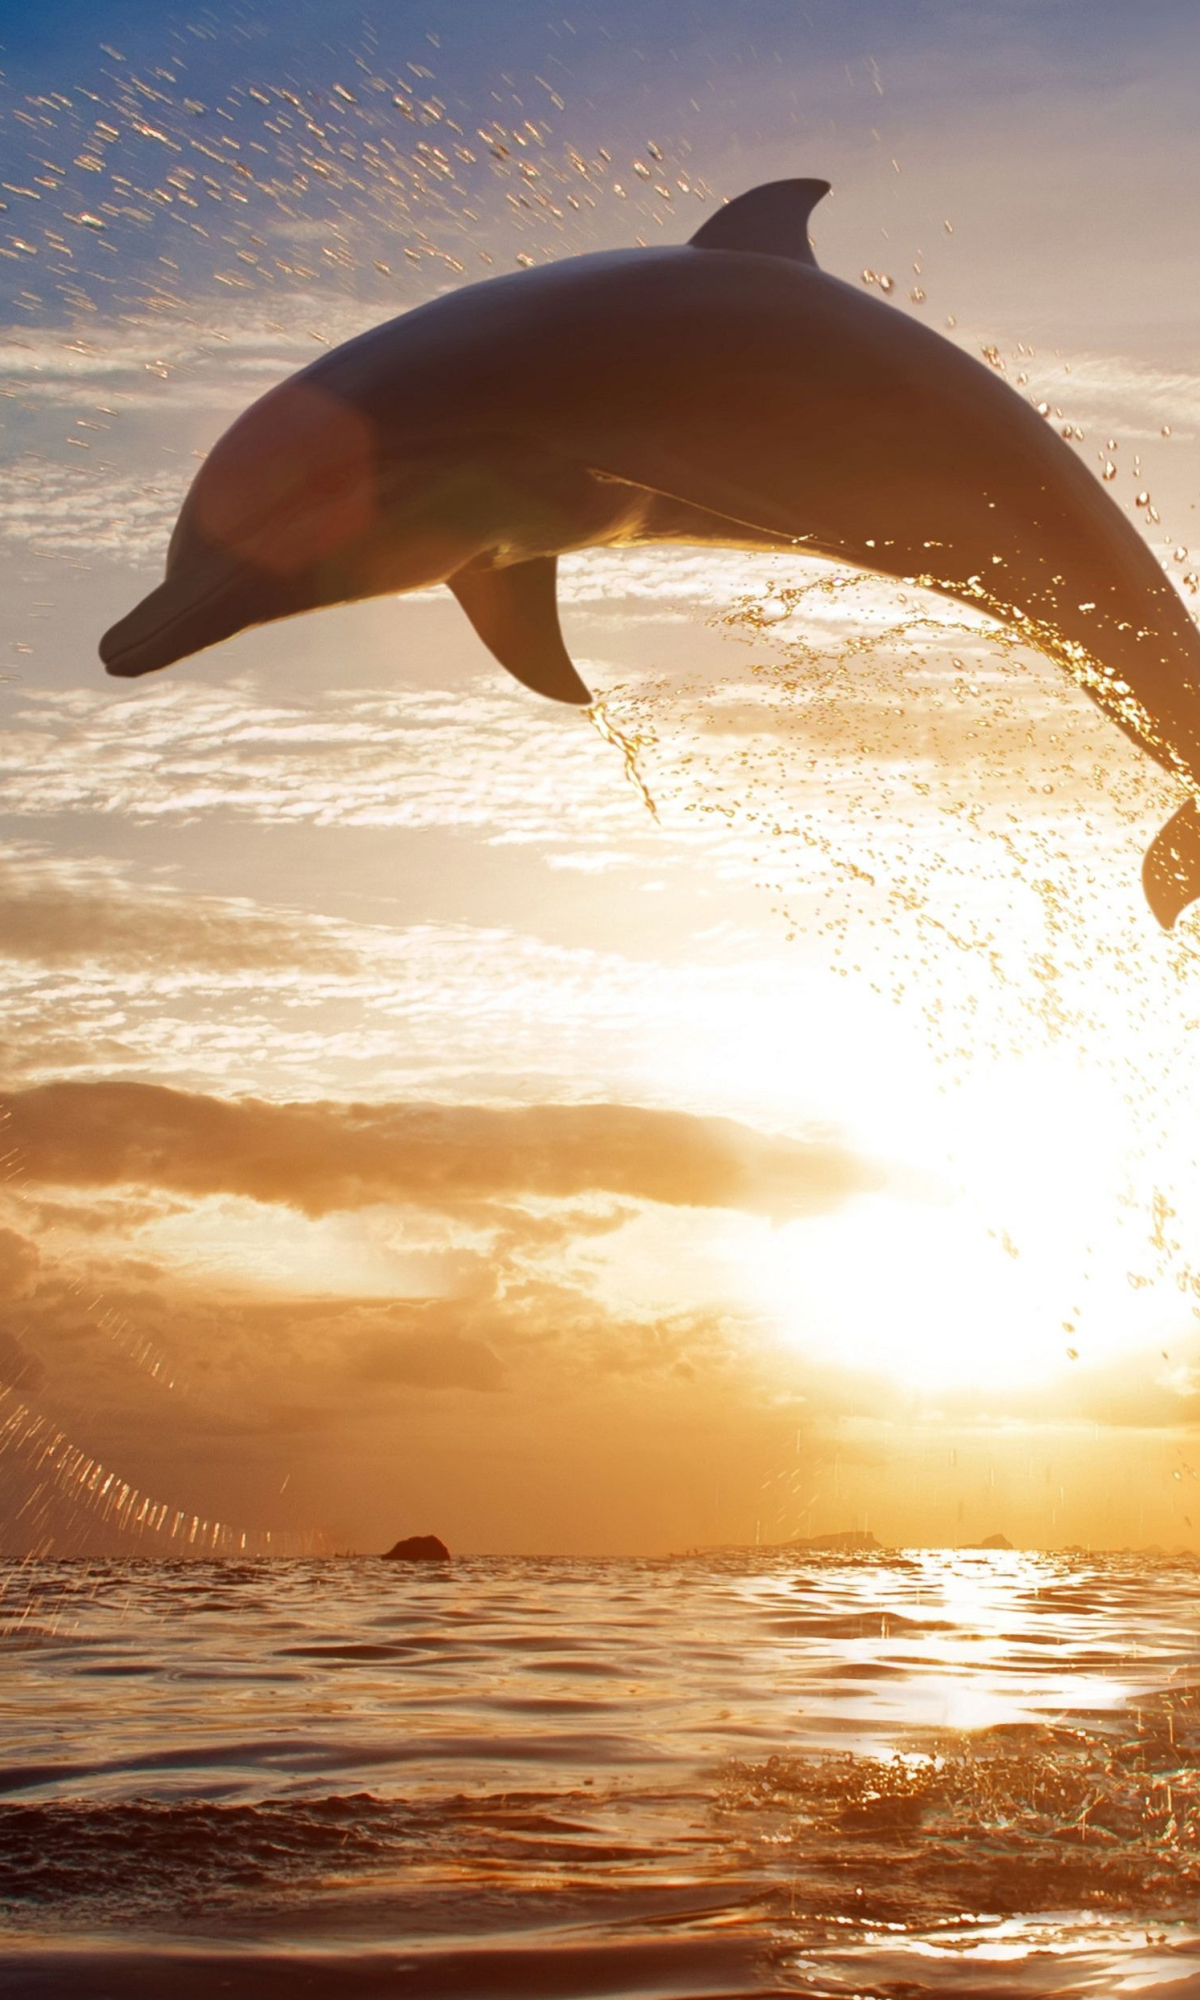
(914, 1292)
(1013, 1255)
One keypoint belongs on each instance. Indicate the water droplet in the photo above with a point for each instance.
(1142, 500)
(1181, 555)
(1110, 470)
(949, 228)
(1166, 430)
(950, 320)
(886, 284)
(917, 296)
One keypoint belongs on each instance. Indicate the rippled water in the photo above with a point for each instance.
(952, 1774)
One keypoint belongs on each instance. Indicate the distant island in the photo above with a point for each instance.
(848, 1542)
(418, 1549)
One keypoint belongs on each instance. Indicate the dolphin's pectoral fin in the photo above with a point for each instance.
(772, 219)
(514, 609)
(1171, 868)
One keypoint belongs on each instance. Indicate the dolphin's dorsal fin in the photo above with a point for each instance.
(772, 219)
(514, 609)
(1171, 868)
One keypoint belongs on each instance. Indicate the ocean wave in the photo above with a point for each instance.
(140, 1852)
(1019, 1818)
(938, 1773)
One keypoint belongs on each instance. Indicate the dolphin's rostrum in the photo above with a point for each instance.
(724, 391)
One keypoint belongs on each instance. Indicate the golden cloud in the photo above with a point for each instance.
(321, 1157)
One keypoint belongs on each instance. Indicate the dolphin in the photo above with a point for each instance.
(725, 391)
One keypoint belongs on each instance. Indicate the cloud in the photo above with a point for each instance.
(18, 1264)
(494, 763)
(844, 699)
(55, 911)
(105, 975)
(19, 1369)
(434, 1359)
(1130, 395)
(69, 511)
(324, 1157)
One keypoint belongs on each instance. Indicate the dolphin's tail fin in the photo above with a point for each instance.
(1171, 868)
(514, 609)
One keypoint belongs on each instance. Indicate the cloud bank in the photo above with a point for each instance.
(324, 1157)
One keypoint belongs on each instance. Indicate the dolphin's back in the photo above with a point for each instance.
(765, 386)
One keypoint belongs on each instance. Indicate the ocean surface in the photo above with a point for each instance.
(905, 1774)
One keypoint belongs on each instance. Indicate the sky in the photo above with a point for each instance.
(764, 1108)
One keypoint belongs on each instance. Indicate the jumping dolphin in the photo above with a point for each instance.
(724, 391)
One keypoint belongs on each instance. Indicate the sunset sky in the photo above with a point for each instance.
(417, 1121)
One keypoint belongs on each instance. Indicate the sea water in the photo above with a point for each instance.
(922, 1772)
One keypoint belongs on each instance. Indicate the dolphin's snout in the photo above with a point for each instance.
(192, 609)
(128, 649)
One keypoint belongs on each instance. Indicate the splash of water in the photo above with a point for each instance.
(630, 745)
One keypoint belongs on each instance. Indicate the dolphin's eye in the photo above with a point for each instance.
(291, 482)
